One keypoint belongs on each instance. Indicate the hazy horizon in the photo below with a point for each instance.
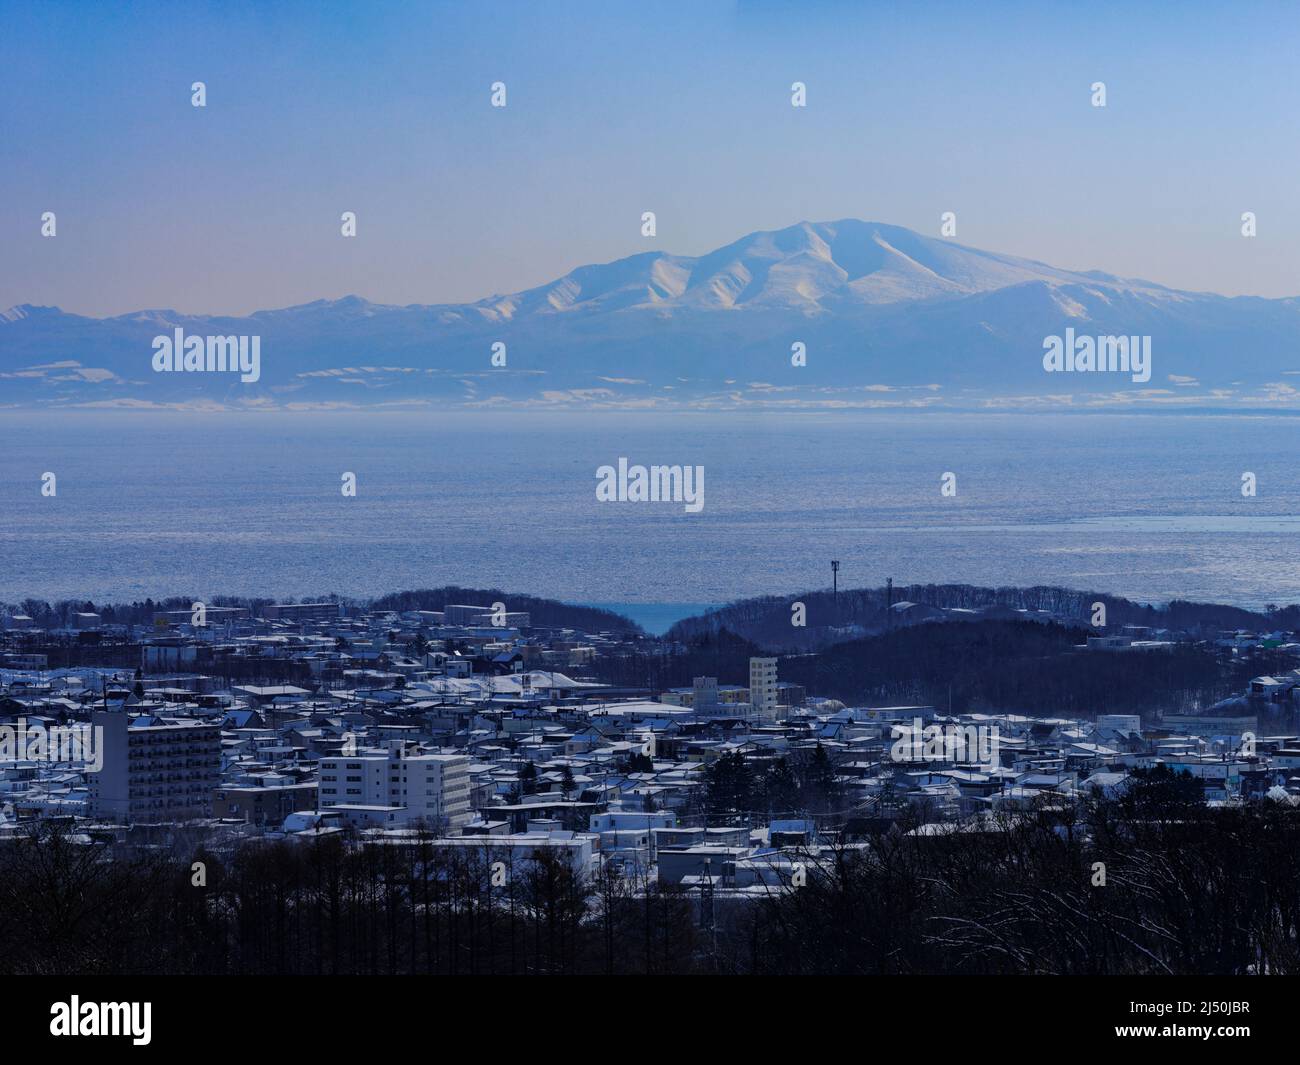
(633, 255)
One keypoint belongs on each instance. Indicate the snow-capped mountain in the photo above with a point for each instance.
(810, 267)
(886, 317)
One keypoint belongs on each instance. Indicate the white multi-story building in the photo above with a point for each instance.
(422, 787)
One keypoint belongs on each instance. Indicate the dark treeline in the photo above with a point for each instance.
(227, 669)
(328, 906)
(1153, 883)
(259, 669)
(70, 654)
(548, 613)
(766, 620)
(984, 666)
(738, 787)
(141, 612)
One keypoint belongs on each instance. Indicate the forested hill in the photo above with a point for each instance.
(547, 613)
(1018, 667)
(990, 666)
(856, 612)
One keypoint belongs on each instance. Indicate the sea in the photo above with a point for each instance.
(154, 504)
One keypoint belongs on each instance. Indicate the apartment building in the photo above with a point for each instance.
(470, 615)
(705, 695)
(428, 787)
(268, 805)
(762, 685)
(155, 770)
(465, 613)
(212, 615)
(301, 612)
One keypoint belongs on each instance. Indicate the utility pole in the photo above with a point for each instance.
(835, 581)
(889, 602)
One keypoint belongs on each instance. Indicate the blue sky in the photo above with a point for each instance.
(614, 109)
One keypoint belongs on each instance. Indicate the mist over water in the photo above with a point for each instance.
(1145, 506)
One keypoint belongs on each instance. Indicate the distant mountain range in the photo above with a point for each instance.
(887, 318)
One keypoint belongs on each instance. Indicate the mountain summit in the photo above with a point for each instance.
(886, 317)
(810, 266)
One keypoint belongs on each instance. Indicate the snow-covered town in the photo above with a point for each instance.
(473, 726)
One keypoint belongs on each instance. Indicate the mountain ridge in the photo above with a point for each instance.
(888, 317)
